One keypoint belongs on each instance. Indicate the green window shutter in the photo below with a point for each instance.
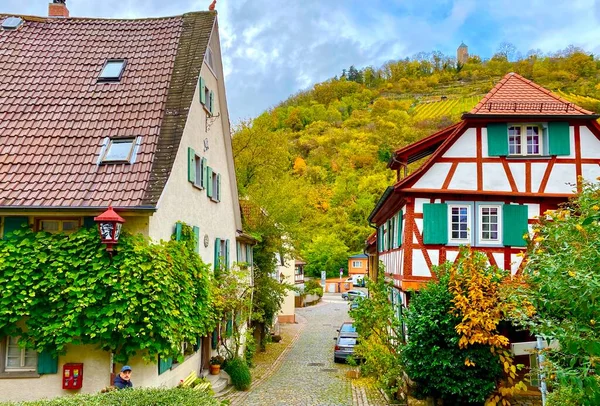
(217, 254)
(214, 341)
(497, 137)
(248, 248)
(558, 138)
(191, 165)
(202, 85)
(229, 328)
(203, 181)
(227, 254)
(218, 194)
(209, 185)
(435, 223)
(178, 228)
(164, 365)
(238, 251)
(13, 223)
(197, 234)
(211, 105)
(514, 225)
(88, 222)
(380, 238)
(47, 363)
(390, 233)
(399, 228)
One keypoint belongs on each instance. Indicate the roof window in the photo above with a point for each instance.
(12, 23)
(112, 70)
(119, 150)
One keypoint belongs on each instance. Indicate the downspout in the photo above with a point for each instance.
(376, 264)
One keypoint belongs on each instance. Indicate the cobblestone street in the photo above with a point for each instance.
(305, 374)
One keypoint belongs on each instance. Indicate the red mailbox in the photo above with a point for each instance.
(72, 376)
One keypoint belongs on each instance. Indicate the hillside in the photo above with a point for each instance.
(317, 162)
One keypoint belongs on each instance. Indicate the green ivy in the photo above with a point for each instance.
(60, 290)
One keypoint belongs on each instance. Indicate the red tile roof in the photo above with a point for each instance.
(515, 95)
(54, 116)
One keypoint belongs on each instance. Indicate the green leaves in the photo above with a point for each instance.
(148, 299)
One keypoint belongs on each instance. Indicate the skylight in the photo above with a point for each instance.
(112, 70)
(119, 150)
(12, 23)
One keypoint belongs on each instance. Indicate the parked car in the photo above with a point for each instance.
(357, 280)
(353, 294)
(347, 329)
(344, 347)
(355, 303)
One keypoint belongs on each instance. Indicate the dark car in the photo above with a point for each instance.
(344, 347)
(353, 294)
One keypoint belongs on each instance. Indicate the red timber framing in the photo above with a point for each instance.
(538, 181)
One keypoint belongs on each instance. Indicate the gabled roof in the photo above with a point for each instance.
(359, 256)
(515, 95)
(421, 148)
(54, 116)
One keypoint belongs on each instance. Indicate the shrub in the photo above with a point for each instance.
(131, 397)
(565, 396)
(313, 287)
(240, 373)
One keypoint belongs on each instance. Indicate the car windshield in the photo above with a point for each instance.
(348, 328)
(347, 341)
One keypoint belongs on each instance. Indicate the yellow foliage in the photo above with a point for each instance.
(299, 166)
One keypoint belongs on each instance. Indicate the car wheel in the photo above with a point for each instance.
(336, 360)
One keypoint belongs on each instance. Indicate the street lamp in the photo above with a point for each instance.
(109, 227)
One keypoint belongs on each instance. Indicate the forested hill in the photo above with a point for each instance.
(316, 164)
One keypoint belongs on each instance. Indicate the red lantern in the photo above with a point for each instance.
(109, 227)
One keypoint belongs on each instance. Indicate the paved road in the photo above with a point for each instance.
(308, 376)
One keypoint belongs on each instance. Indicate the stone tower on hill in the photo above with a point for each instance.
(462, 53)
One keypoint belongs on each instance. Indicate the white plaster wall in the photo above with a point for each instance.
(590, 146)
(288, 307)
(419, 265)
(419, 224)
(451, 255)
(515, 262)
(146, 374)
(533, 210)
(590, 172)
(518, 172)
(465, 177)
(181, 200)
(96, 375)
(136, 225)
(465, 146)
(434, 255)
(494, 177)
(537, 174)
(434, 177)
(499, 257)
(392, 261)
(484, 143)
(563, 179)
(419, 204)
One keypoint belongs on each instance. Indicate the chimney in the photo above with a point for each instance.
(58, 9)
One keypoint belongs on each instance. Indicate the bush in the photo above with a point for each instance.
(565, 396)
(131, 397)
(240, 373)
(313, 287)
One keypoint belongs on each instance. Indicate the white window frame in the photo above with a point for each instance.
(356, 264)
(458, 241)
(489, 242)
(132, 140)
(523, 139)
(23, 351)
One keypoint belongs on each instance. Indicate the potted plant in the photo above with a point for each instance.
(215, 364)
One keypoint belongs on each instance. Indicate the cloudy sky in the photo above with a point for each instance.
(274, 48)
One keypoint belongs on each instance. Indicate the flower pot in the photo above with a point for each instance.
(215, 369)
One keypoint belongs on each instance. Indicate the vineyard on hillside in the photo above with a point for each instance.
(449, 107)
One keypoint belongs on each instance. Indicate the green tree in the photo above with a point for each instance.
(326, 253)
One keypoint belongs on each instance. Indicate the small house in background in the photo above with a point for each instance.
(299, 272)
(286, 268)
(128, 112)
(358, 265)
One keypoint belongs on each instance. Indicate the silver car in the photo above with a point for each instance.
(344, 347)
(353, 294)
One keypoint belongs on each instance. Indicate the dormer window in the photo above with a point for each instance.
(112, 70)
(119, 150)
(525, 140)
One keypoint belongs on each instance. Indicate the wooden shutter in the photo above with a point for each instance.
(559, 138)
(514, 225)
(238, 251)
(229, 327)
(209, 184)
(218, 194)
(202, 90)
(178, 228)
(399, 228)
(47, 363)
(227, 254)
(214, 342)
(197, 234)
(391, 233)
(191, 165)
(204, 172)
(497, 137)
(380, 238)
(13, 223)
(217, 254)
(435, 223)
(164, 365)
(211, 105)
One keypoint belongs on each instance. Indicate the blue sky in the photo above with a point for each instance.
(275, 48)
